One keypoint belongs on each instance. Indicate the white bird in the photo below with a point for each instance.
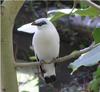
(46, 44)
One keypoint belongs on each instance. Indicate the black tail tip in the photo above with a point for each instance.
(50, 79)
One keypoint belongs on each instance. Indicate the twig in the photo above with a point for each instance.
(59, 60)
(26, 64)
(74, 5)
(89, 2)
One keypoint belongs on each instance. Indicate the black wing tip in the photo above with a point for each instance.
(50, 79)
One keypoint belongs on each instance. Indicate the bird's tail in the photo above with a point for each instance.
(49, 74)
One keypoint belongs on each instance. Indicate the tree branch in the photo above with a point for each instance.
(61, 59)
(89, 2)
(9, 10)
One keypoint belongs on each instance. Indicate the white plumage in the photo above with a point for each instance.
(46, 41)
(46, 45)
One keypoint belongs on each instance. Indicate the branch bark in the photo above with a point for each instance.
(9, 10)
(59, 60)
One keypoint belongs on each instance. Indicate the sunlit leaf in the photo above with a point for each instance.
(65, 11)
(88, 59)
(91, 11)
(57, 16)
(33, 58)
(83, 5)
(96, 35)
(58, 13)
(28, 82)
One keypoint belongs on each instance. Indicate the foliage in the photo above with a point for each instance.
(96, 35)
(33, 58)
(90, 58)
(58, 15)
(83, 5)
(91, 11)
(95, 83)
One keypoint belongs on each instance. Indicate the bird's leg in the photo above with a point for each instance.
(54, 60)
(42, 66)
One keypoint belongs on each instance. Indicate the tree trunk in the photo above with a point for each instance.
(9, 11)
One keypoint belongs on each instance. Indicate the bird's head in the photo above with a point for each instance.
(41, 22)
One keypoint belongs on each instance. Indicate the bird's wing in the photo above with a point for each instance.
(41, 67)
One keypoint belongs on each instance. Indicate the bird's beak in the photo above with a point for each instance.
(33, 23)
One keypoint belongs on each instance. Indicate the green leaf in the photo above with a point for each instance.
(57, 16)
(33, 58)
(97, 73)
(94, 86)
(89, 58)
(91, 11)
(95, 83)
(58, 13)
(96, 35)
(83, 5)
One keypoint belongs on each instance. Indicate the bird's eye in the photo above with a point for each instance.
(40, 23)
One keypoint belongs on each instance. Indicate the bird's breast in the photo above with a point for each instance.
(46, 45)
